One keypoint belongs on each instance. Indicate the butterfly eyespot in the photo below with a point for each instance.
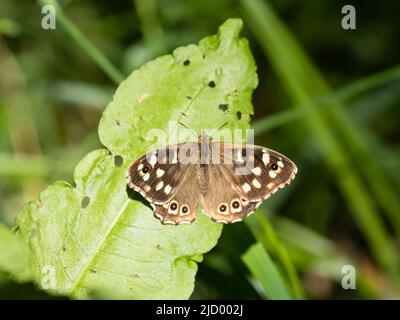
(235, 204)
(222, 208)
(184, 210)
(273, 166)
(145, 169)
(173, 206)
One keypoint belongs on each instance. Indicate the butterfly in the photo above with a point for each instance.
(230, 180)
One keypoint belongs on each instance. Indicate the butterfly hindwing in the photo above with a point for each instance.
(182, 206)
(224, 201)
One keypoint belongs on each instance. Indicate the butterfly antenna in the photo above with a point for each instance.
(186, 127)
(183, 125)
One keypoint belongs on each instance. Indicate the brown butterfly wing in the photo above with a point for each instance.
(224, 201)
(244, 178)
(162, 180)
(182, 206)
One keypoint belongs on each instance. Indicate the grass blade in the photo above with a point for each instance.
(84, 42)
(264, 270)
(304, 83)
(264, 232)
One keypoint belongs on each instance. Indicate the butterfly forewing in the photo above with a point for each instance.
(167, 182)
(224, 201)
(157, 174)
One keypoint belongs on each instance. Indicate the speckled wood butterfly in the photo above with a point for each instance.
(230, 180)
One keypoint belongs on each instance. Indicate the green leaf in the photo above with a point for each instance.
(13, 256)
(168, 90)
(264, 270)
(98, 238)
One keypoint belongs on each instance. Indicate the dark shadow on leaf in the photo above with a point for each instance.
(133, 195)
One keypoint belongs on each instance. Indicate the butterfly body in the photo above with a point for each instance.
(229, 180)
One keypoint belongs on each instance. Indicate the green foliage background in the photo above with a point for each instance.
(326, 98)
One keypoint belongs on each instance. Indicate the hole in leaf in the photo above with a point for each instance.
(239, 115)
(211, 84)
(117, 122)
(223, 106)
(85, 202)
(186, 62)
(118, 161)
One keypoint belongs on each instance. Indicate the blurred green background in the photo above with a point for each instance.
(327, 98)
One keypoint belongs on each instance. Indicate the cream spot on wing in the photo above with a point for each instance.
(143, 97)
(146, 177)
(175, 158)
(256, 171)
(270, 185)
(238, 156)
(169, 222)
(147, 188)
(244, 201)
(265, 158)
(280, 163)
(159, 185)
(159, 216)
(272, 174)
(256, 183)
(246, 187)
(160, 173)
(167, 189)
(153, 160)
(140, 166)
